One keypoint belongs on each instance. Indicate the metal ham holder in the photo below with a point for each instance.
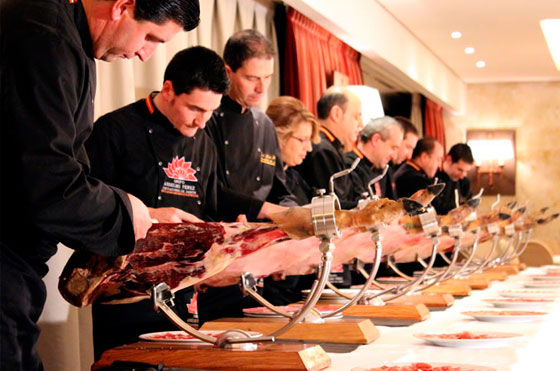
(513, 245)
(376, 238)
(323, 209)
(453, 269)
(307, 324)
(431, 230)
(300, 356)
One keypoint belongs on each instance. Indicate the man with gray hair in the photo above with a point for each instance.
(378, 143)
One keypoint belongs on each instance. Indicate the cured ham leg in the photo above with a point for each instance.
(178, 254)
(186, 253)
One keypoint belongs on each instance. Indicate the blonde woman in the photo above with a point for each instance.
(297, 129)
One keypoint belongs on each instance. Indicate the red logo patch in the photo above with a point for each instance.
(178, 168)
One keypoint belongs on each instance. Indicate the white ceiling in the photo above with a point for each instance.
(505, 34)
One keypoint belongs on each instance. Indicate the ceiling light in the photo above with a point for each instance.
(456, 35)
(469, 50)
(551, 31)
(481, 64)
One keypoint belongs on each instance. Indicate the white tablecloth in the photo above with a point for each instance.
(538, 349)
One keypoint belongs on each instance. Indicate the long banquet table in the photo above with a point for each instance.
(538, 349)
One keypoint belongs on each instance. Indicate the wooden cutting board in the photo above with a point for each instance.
(286, 357)
(433, 301)
(342, 331)
(455, 289)
(475, 283)
(407, 314)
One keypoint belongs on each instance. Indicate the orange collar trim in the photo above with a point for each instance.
(409, 162)
(329, 135)
(358, 152)
(150, 104)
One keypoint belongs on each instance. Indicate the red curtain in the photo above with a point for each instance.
(312, 56)
(433, 122)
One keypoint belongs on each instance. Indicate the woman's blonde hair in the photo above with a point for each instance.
(287, 113)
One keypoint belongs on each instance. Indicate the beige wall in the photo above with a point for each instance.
(533, 110)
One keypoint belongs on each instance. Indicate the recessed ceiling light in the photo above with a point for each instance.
(481, 64)
(551, 29)
(456, 34)
(469, 50)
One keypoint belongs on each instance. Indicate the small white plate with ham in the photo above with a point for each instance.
(505, 315)
(183, 337)
(530, 293)
(551, 284)
(520, 303)
(292, 308)
(469, 339)
(423, 366)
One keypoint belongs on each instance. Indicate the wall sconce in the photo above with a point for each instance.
(371, 101)
(494, 155)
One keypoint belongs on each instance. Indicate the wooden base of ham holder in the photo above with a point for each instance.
(390, 314)
(341, 331)
(455, 289)
(507, 268)
(433, 301)
(475, 283)
(491, 276)
(286, 357)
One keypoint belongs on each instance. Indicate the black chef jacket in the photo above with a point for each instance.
(298, 186)
(364, 173)
(445, 201)
(249, 153)
(249, 163)
(410, 178)
(47, 80)
(325, 159)
(137, 149)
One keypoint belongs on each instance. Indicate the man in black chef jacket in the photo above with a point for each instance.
(404, 153)
(154, 149)
(340, 115)
(248, 150)
(418, 172)
(408, 144)
(378, 143)
(456, 164)
(48, 87)
(339, 112)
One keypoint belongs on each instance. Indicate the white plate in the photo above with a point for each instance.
(520, 303)
(265, 312)
(542, 284)
(496, 339)
(329, 295)
(530, 293)
(456, 367)
(545, 277)
(505, 315)
(183, 337)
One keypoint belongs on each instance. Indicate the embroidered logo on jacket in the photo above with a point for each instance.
(180, 169)
(180, 173)
(268, 159)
